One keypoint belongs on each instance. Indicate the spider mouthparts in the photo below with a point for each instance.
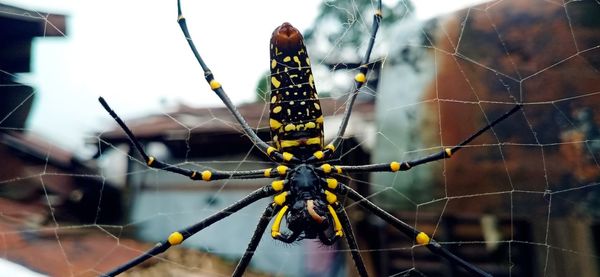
(286, 36)
(310, 206)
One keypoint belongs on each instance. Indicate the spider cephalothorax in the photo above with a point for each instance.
(307, 208)
(305, 190)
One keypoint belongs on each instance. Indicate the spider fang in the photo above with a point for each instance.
(310, 207)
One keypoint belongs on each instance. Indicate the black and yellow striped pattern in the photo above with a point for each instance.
(296, 119)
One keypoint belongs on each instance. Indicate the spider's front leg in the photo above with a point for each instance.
(216, 87)
(206, 175)
(443, 154)
(359, 80)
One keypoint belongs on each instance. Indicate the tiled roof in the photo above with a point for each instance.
(219, 120)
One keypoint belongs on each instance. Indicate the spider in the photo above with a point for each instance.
(305, 190)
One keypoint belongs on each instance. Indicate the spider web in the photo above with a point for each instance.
(521, 200)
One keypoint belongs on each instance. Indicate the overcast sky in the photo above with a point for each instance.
(133, 54)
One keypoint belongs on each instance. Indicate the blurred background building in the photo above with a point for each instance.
(522, 200)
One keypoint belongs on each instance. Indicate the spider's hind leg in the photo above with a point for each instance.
(350, 238)
(419, 237)
(216, 87)
(445, 153)
(178, 237)
(260, 229)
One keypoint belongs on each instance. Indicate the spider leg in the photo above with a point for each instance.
(420, 237)
(445, 153)
(359, 80)
(218, 90)
(260, 229)
(178, 237)
(207, 175)
(350, 238)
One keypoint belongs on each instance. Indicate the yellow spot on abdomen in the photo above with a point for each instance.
(297, 60)
(290, 127)
(277, 109)
(273, 63)
(311, 141)
(275, 82)
(289, 143)
(273, 99)
(287, 59)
